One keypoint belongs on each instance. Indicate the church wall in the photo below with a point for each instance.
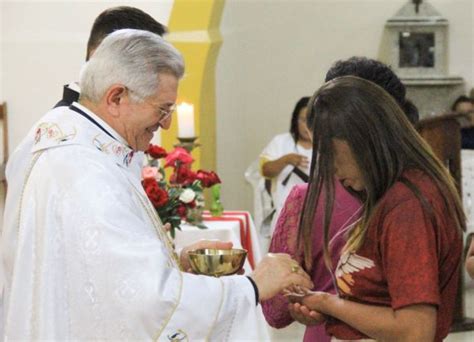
(43, 44)
(274, 52)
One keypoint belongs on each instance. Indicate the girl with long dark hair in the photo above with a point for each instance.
(397, 276)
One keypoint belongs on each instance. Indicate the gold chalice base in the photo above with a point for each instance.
(217, 262)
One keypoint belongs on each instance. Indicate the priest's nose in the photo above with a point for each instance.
(165, 124)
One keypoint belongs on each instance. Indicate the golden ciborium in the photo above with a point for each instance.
(217, 262)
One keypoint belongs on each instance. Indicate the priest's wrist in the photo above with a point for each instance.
(255, 289)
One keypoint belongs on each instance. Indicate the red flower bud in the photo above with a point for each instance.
(183, 175)
(158, 196)
(178, 156)
(181, 211)
(208, 178)
(156, 151)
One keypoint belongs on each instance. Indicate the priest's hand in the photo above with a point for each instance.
(276, 272)
(213, 244)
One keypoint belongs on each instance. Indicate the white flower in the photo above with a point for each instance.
(159, 177)
(187, 196)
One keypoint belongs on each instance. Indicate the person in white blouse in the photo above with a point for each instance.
(285, 160)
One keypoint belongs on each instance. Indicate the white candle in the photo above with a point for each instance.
(185, 120)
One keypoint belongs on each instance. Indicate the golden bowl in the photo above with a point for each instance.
(217, 262)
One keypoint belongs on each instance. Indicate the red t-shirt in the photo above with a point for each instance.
(405, 259)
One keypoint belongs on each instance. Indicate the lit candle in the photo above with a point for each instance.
(185, 120)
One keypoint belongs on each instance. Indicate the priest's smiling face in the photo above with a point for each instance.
(144, 118)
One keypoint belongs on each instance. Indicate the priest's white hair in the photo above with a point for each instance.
(133, 58)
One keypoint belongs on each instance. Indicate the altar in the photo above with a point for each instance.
(235, 226)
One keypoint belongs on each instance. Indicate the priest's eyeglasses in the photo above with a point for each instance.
(164, 113)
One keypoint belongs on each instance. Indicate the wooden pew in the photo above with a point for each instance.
(443, 134)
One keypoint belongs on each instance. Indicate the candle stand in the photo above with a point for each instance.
(188, 143)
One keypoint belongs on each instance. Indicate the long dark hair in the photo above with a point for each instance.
(384, 145)
(379, 73)
(303, 102)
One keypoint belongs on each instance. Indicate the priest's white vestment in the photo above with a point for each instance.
(85, 256)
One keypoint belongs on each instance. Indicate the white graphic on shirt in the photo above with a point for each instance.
(350, 263)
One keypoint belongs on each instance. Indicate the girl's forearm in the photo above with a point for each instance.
(413, 323)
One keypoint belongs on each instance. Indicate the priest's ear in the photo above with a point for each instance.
(116, 96)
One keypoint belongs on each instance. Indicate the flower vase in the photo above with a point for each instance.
(216, 206)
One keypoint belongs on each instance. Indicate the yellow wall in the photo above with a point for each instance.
(194, 30)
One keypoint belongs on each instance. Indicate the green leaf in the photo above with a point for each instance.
(175, 223)
(201, 226)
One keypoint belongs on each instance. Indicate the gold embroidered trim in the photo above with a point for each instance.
(162, 235)
(163, 326)
(218, 310)
(25, 182)
(27, 177)
(172, 256)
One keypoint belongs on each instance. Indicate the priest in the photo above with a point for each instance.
(84, 253)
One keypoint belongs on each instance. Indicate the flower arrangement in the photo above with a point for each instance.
(181, 198)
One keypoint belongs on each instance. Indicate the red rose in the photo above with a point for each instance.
(156, 151)
(208, 178)
(178, 156)
(181, 211)
(157, 195)
(184, 176)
